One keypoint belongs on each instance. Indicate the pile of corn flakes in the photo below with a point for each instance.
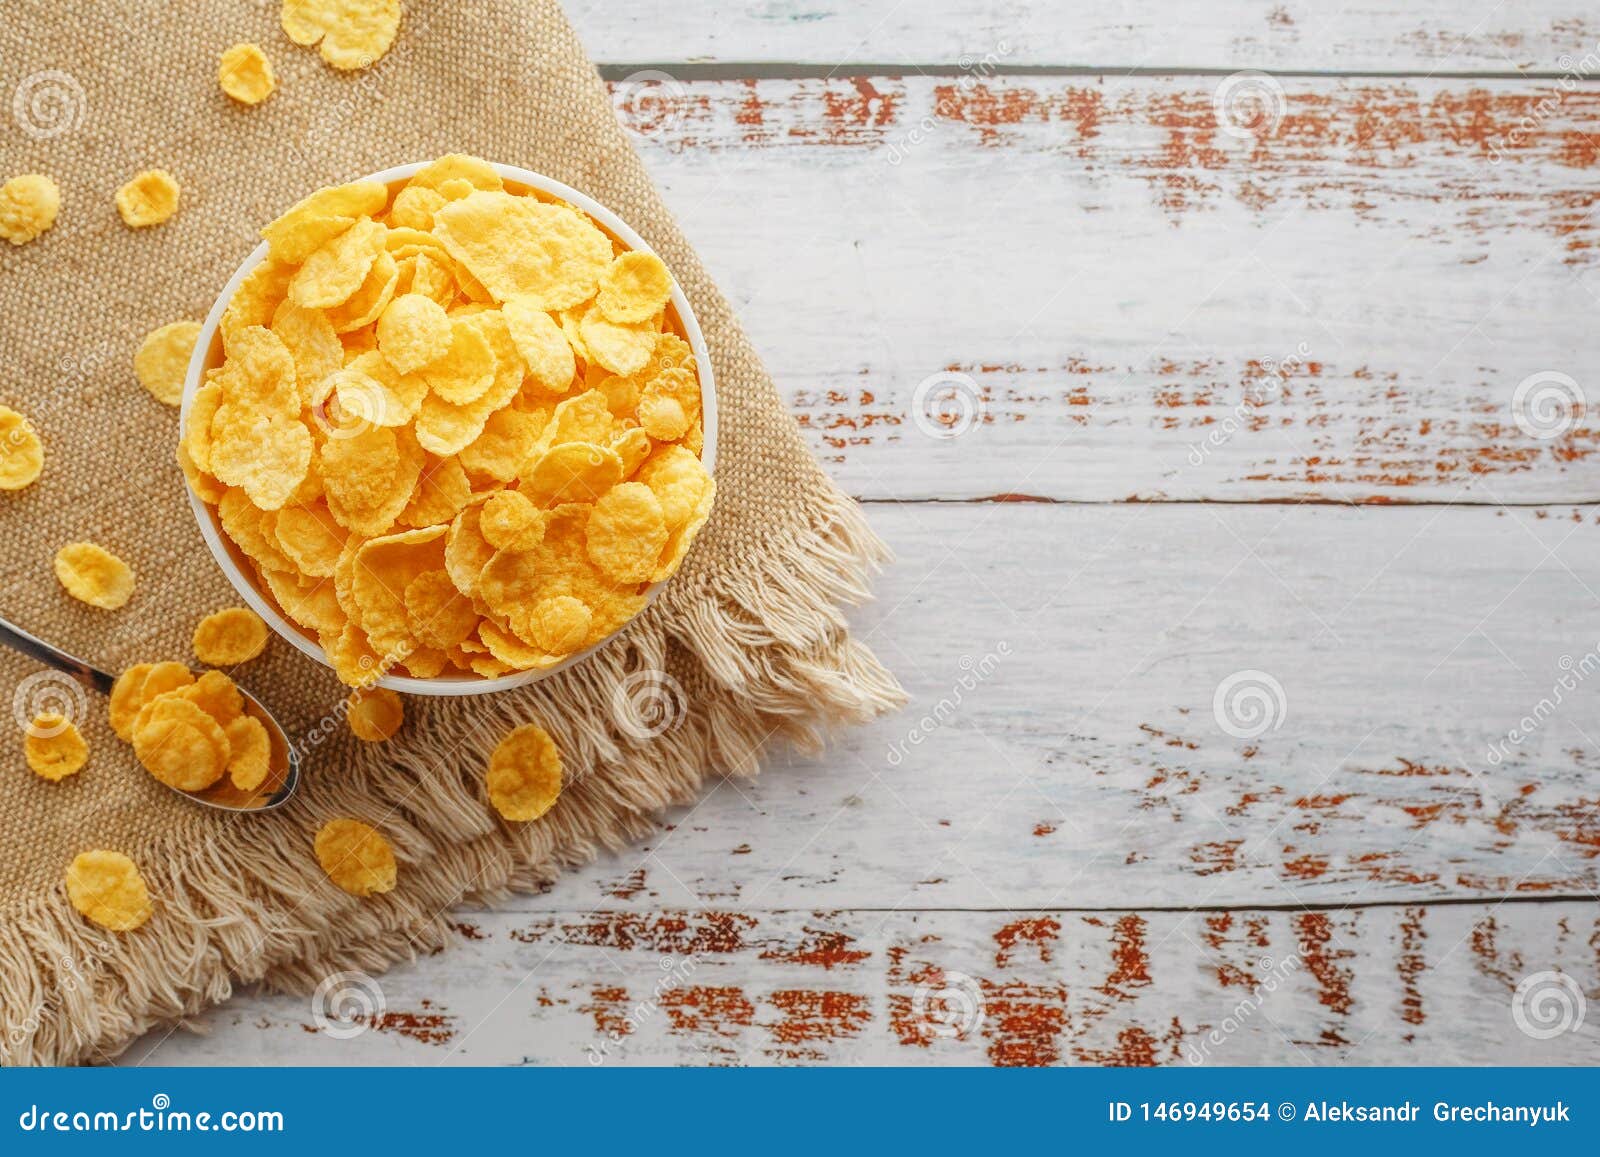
(453, 428)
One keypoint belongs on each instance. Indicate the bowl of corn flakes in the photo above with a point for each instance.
(449, 427)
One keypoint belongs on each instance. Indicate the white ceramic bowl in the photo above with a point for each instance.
(208, 352)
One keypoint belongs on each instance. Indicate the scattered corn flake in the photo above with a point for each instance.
(28, 206)
(249, 753)
(179, 743)
(350, 33)
(149, 199)
(21, 452)
(106, 888)
(229, 637)
(634, 287)
(54, 748)
(245, 74)
(524, 778)
(94, 575)
(163, 360)
(356, 857)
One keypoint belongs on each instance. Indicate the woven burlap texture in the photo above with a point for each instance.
(749, 635)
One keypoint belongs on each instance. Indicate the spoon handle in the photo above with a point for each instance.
(19, 640)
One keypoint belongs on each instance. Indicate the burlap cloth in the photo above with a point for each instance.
(749, 630)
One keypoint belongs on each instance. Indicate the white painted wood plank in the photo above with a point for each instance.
(1376, 35)
(1061, 746)
(1379, 986)
(1113, 281)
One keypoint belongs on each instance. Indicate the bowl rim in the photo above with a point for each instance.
(209, 522)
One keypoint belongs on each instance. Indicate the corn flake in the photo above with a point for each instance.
(510, 522)
(94, 575)
(350, 33)
(245, 74)
(413, 331)
(54, 748)
(229, 637)
(626, 532)
(179, 743)
(634, 287)
(21, 452)
(28, 206)
(149, 199)
(163, 360)
(518, 246)
(107, 889)
(249, 753)
(524, 778)
(356, 857)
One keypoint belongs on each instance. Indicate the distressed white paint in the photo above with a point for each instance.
(1110, 279)
(1301, 35)
(1376, 986)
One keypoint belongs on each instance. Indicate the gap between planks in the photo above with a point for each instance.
(708, 71)
(1322, 500)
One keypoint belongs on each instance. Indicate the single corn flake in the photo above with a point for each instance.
(149, 199)
(163, 360)
(560, 624)
(413, 331)
(216, 695)
(180, 744)
(245, 74)
(524, 777)
(634, 287)
(510, 522)
(621, 347)
(249, 753)
(356, 857)
(626, 532)
(438, 614)
(137, 686)
(28, 206)
(572, 472)
(229, 637)
(106, 887)
(522, 246)
(545, 349)
(374, 714)
(94, 575)
(54, 747)
(21, 452)
(350, 33)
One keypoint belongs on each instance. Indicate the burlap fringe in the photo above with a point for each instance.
(758, 649)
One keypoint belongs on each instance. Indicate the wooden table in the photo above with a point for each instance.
(1247, 555)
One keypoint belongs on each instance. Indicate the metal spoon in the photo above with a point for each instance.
(275, 790)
